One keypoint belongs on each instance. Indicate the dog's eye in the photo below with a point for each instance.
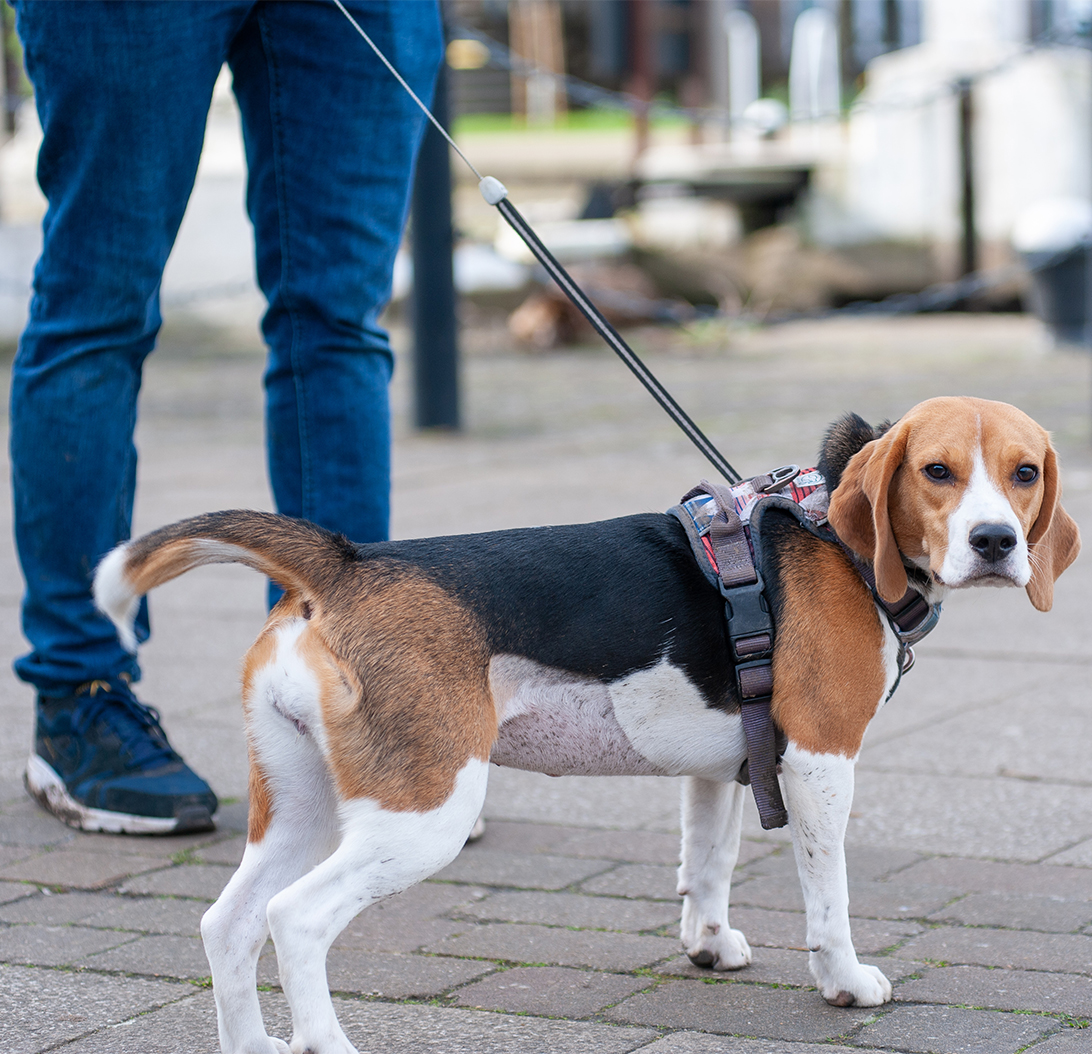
(937, 471)
(1027, 474)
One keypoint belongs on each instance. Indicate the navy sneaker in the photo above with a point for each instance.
(102, 762)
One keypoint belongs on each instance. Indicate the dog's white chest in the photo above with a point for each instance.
(652, 722)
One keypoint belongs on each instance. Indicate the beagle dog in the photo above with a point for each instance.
(390, 675)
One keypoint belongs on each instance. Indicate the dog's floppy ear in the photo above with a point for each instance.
(859, 513)
(1053, 541)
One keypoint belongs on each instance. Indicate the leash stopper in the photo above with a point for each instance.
(493, 190)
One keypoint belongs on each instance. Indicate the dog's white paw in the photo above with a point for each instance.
(724, 949)
(865, 986)
(331, 1044)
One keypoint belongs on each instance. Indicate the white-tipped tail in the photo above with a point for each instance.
(115, 597)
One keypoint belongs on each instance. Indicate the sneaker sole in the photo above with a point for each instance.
(48, 789)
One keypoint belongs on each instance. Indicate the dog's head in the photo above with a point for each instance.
(965, 489)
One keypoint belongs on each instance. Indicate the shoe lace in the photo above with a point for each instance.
(135, 723)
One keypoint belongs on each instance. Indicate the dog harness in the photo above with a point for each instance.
(724, 526)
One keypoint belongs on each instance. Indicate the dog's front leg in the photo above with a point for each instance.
(819, 792)
(712, 815)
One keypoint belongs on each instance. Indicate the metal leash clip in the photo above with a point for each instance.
(775, 479)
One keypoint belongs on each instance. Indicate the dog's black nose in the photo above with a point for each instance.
(993, 541)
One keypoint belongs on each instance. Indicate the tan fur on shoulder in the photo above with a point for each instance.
(828, 662)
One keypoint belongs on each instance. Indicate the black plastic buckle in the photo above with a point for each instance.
(748, 616)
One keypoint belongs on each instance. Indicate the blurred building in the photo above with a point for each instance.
(867, 146)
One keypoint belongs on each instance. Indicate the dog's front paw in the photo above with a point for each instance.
(864, 986)
(723, 949)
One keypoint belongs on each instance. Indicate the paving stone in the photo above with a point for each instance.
(513, 942)
(189, 1026)
(700, 1043)
(554, 991)
(409, 920)
(1008, 738)
(990, 876)
(392, 976)
(574, 910)
(378, 1028)
(503, 836)
(162, 955)
(164, 847)
(977, 986)
(232, 816)
(229, 851)
(42, 1008)
(637, 847)
(25, 824)
(1069, 1041)
(528, 870)
(56, 908)
(734, 1008)
(54, 945)
(1050, 914)
(1008, 819)
(200, 881)
(864, 863)
(788, 929)
(151, 915)
(1079, 855)
(949, 1030)
(780, 966)
(646, 881)
(876, 936)
(397, 935)
(79, 869)
(425, 900)
(1009, 949)
(12, 891)
(12, 854)
(633, 803)
(879, 900)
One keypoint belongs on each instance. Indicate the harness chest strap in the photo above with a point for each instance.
(751, 637)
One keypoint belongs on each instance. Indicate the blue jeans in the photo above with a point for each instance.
(123, 91)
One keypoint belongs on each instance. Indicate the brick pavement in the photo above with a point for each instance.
(970, 847)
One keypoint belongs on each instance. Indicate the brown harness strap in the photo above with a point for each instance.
(751, 637)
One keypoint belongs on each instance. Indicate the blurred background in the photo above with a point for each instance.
(706, 168)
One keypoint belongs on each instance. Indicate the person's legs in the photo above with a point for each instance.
(331, 140)
(122, 91)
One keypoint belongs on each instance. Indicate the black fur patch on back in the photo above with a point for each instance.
(848, 435)
(600, 600)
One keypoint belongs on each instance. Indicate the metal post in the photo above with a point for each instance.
(969, 240)
(435, 330)
(642, 51)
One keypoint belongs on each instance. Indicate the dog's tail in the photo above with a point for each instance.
(295, 554)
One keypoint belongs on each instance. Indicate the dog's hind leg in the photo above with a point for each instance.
(382, 852)
(293, 825)
(818, 794)
(712, 816)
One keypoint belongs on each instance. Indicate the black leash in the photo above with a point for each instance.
(496, 195)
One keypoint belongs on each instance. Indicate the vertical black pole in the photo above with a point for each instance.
(969, 246)
(435, 333)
